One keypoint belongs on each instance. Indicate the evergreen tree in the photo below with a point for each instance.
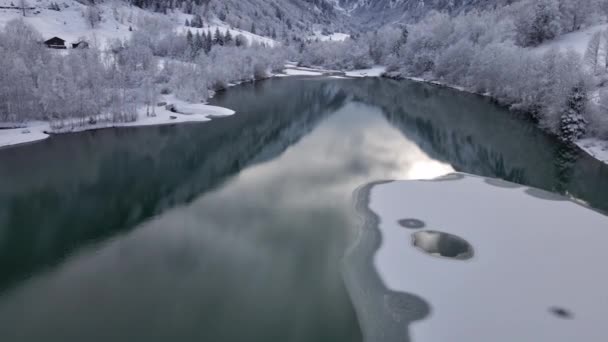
(189, 37)
(187, 23)
(218, 38)
(208, 42)
(573, 125)
(253, 28)
(228, 38)
(199, 43)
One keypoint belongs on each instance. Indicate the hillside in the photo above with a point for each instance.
(373, 13)
(70, 20)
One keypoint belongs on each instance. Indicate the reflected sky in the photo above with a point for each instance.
(257, 259)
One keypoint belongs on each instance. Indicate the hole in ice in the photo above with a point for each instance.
(561, 312)
(442, 245)
(411, 223)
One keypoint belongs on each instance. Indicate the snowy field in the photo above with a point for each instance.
(533, 275)
(70, 23)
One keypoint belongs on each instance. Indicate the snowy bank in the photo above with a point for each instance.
(597, 148)
(185, 112)
(291, 69)
(375, 71)
(493, 261)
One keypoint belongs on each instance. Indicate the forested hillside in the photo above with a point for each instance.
(500, 52)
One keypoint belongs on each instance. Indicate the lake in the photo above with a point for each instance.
(236, 229)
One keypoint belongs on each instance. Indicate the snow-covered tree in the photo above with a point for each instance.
(592, 54)
(537, 22)
(92, 15)
(573, 124)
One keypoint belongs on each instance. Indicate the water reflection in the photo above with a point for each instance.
(235, 229)
(263, 252)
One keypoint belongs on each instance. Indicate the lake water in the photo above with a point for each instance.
(235, 230)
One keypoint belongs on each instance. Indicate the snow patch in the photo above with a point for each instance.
(376, 71)
(334, 37)
(576, 41)
(534, 252)
(597, 148)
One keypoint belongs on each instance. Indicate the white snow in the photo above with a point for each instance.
(69, 23)
(335, 37)
(117, 17)
(189, 112)
(33, 132)
(597, 148)
(576, 41)
(300, 72)
(375, 71)
(530, 255)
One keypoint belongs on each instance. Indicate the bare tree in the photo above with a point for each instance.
(593, 51)
(93, 15)
(23, 5)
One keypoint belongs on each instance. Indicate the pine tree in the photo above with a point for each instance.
(199, 43)
(573, 125)
(218, 38)
(187, 23)
(228, 38)
(253, 28)
(189, 38)
(208, 42)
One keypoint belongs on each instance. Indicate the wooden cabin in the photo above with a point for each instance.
(55, 43)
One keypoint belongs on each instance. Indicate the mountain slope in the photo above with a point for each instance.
(380, 12)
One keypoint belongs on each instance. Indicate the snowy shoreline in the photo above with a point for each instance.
(36, 131)
(595, 147)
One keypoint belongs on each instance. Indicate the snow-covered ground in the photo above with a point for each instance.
(300, 72)
(70, 24)
(335, 37)
(291, 69)
(375, 71)
(576, 41)
(534, 274)
(117, 17)
(595, 147)
(188, 112)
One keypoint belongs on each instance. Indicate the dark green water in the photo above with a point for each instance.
(234, 230)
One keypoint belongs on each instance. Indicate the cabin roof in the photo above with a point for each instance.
(55, 39)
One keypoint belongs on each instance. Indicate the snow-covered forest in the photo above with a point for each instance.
(77, 87)
(545, 58)
(498, 52)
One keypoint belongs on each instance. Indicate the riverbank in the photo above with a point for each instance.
(183, 112)
(595, 147)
